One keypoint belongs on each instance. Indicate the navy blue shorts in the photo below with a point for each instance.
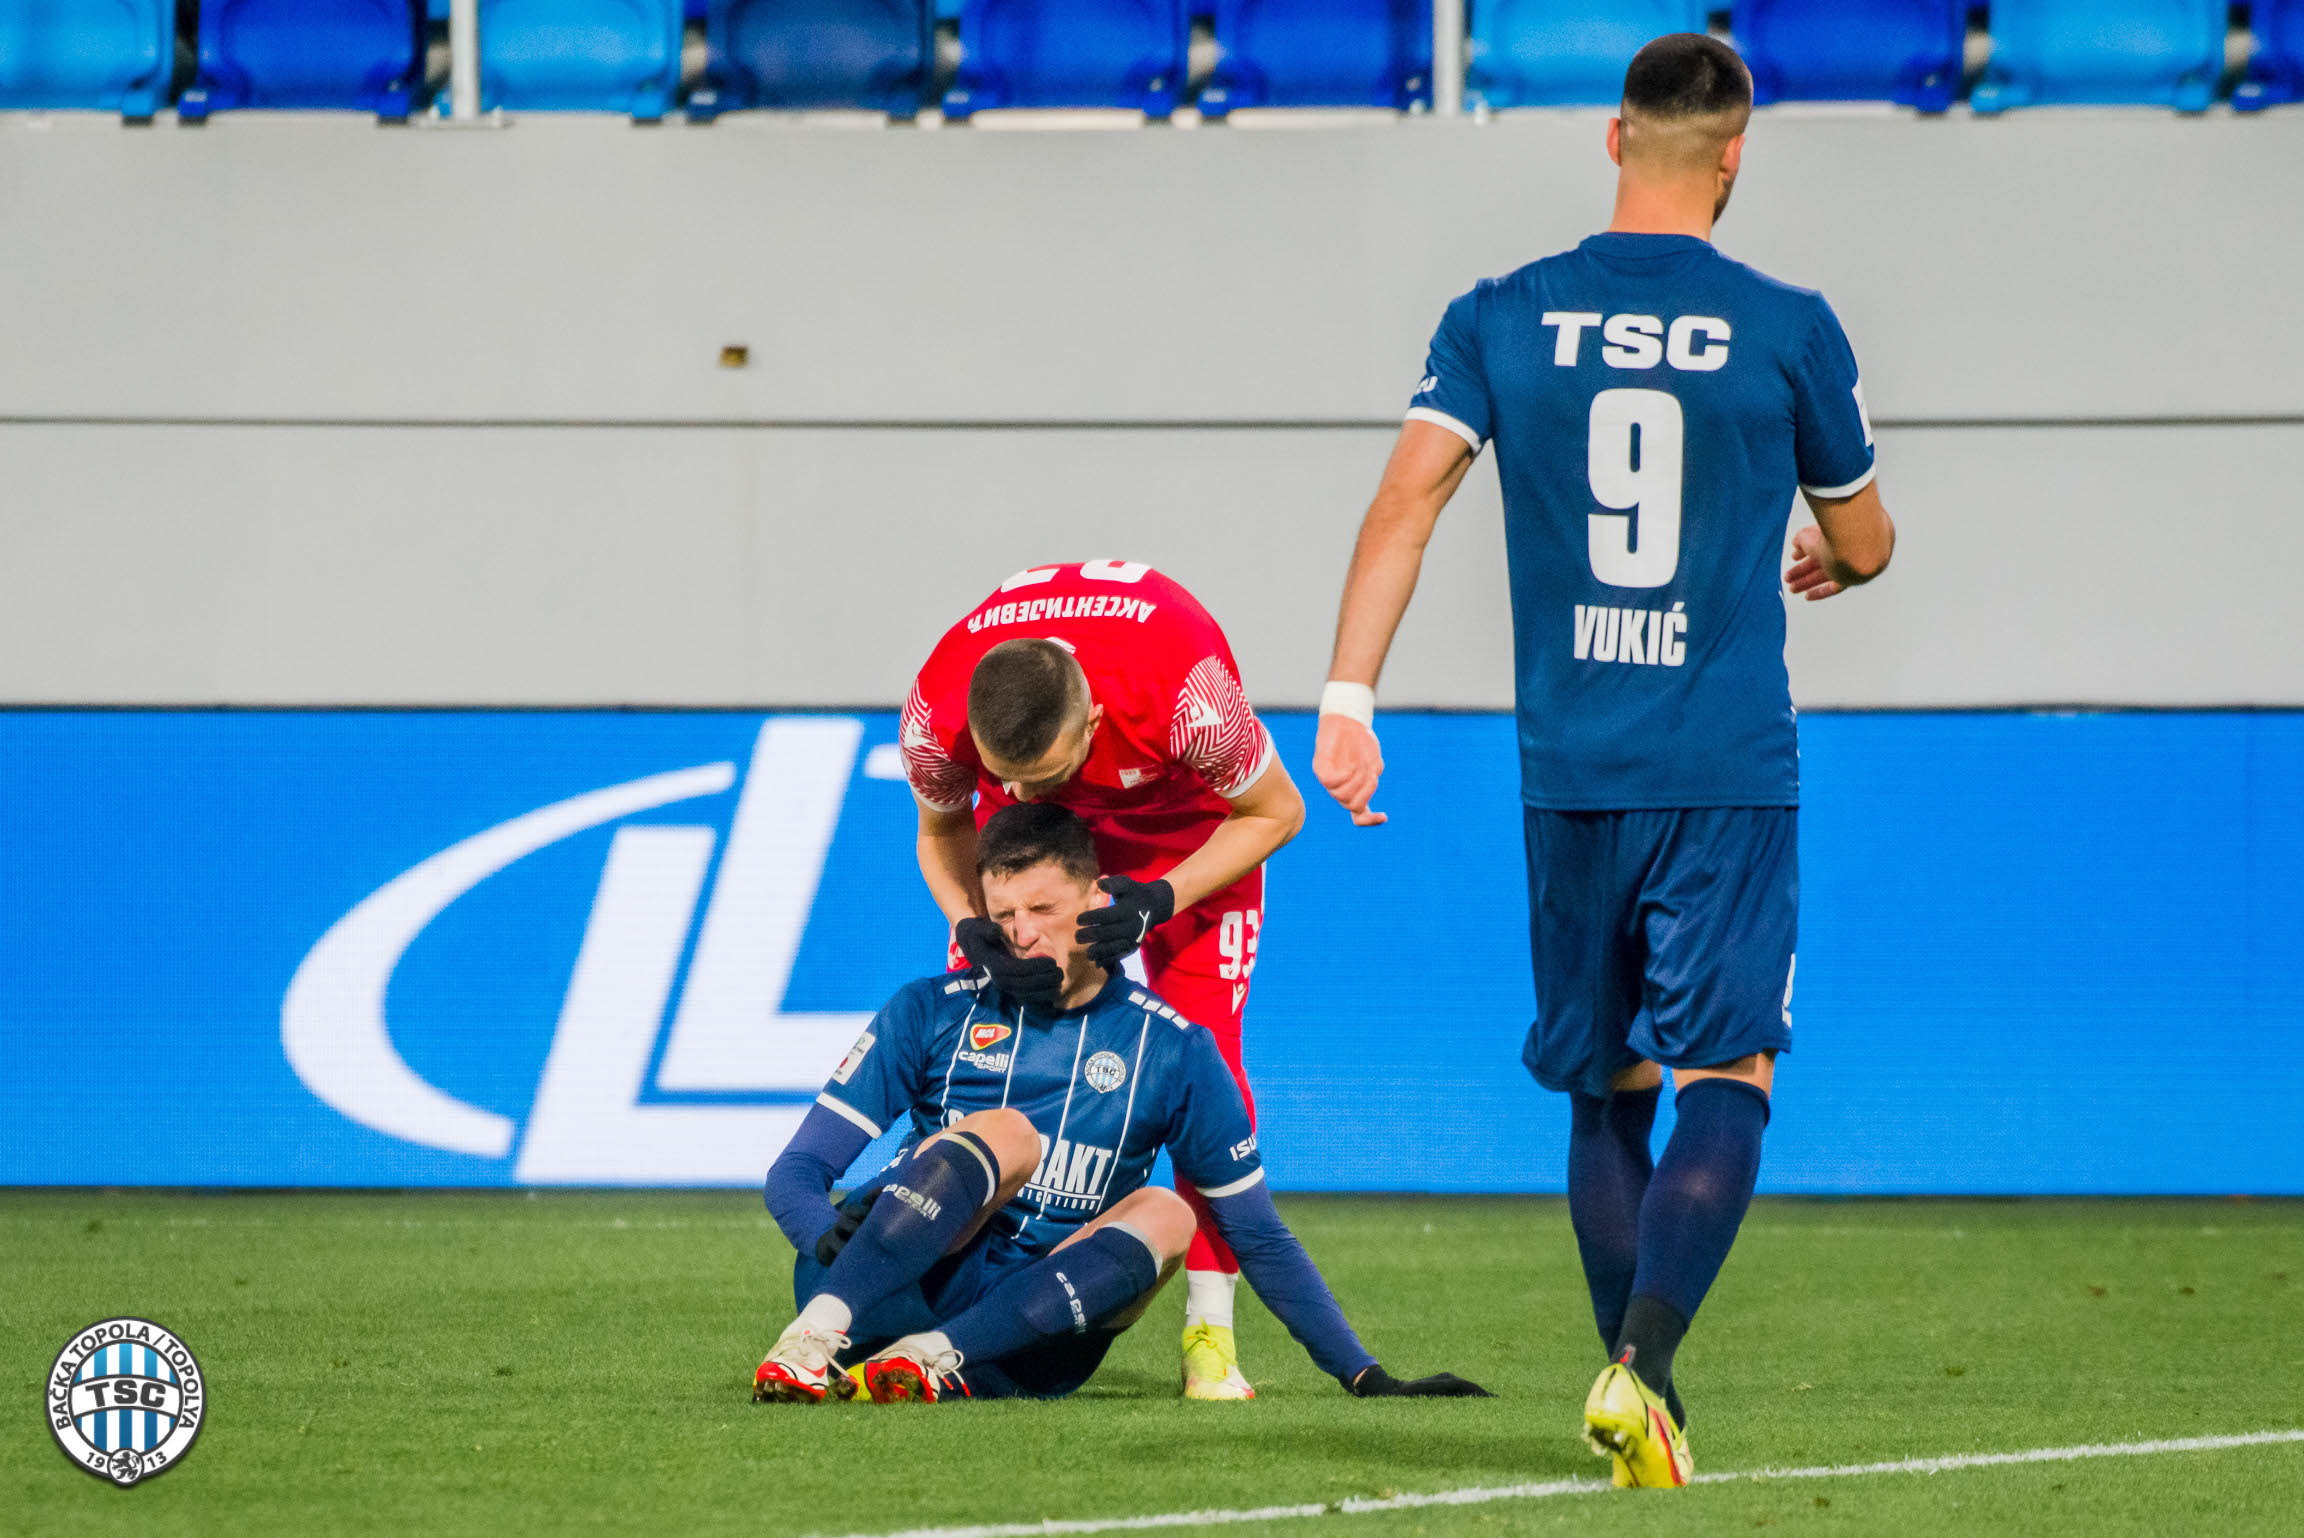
(1665, 935)
(953, 1285)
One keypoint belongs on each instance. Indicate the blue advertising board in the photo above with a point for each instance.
(2039, 953)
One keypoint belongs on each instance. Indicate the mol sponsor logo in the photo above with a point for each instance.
(623, 1042)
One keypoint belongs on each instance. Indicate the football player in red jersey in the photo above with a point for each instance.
(1106, 688)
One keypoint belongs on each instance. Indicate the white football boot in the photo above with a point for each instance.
(799, 1368)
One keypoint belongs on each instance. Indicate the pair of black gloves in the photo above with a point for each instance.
(1109, 932)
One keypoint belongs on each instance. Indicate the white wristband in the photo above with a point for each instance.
(1355, 700)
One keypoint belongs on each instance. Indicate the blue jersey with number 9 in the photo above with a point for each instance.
(1653, 405)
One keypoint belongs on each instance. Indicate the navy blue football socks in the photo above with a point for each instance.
(1608, 1170)
(1065, 1293)
(1695, 1203)
(928, 1204)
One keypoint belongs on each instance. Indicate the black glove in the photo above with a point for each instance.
(1026, 979)
(1376, 1383)
(1110, 933)
(851, 1216)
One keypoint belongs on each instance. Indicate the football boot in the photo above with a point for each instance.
(1626, 1421)
(800, 1370)
(1212, 1364)
(917, 1369)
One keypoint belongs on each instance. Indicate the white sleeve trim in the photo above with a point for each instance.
(1835, 493)
(1443, 419)
(939, 806)
(1235, 1188)
(850, 1112)
(1263, 762)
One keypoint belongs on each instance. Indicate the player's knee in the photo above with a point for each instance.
(1163, 1218)
(1009, 1134)
(1641, 1075)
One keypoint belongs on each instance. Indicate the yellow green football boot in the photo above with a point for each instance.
(1212, 1364)
(1626, 1421)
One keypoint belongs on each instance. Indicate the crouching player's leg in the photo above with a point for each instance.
(1042, 1330)
(927, 1207)
(1202, 963)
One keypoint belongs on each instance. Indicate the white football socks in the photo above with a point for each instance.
(1208, 1298)
(827, 1315)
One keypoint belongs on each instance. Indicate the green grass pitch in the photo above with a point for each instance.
(461, 1363)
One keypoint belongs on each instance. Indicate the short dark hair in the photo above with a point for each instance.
(1030, 833)
(1022, 694)
(1687, 75)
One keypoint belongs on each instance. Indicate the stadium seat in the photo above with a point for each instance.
(356, 55)
(878, 55)
(2167, 53)
(1322, 53)
(1906, 51)
(580, 56)
(104, 55)
(2276, 73)
(1554, 53)
(1071, 53)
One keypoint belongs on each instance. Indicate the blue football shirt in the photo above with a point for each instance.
(1107, 1085)
(1653, 406)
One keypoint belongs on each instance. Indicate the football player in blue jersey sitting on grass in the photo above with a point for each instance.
(1012, 1240)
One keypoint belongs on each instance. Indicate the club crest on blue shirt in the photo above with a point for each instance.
(987, 1033)
(1105, 1072)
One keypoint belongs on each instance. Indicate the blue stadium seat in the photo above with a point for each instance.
(357, 55)
(2276, 73)
(1322, 53)
(2167, 53)
(1071, 53)
(1904, 51)
(879, 55)
(105, 55)
(580, 56)
(1551, 53)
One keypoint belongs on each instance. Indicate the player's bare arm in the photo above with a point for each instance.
(947, 850)
(1848, 545)
(1265, 816)
(1428, 463)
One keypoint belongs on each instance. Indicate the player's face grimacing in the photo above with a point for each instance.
(1038, 909)
(1047, 774)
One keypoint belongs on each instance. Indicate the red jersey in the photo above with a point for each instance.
(1177, 736)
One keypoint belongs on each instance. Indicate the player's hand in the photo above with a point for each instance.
(1376, 1383)
(1808, 576)
(1137, 908)
(1035, 980)
(1348, 762)
(850, 1216)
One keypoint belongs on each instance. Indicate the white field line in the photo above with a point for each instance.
(1482, 1494)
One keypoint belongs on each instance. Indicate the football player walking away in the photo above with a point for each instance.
(1653, 405)
(1106, 688)
(1014, 1238)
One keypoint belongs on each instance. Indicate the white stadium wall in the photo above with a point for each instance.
(301, 410)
